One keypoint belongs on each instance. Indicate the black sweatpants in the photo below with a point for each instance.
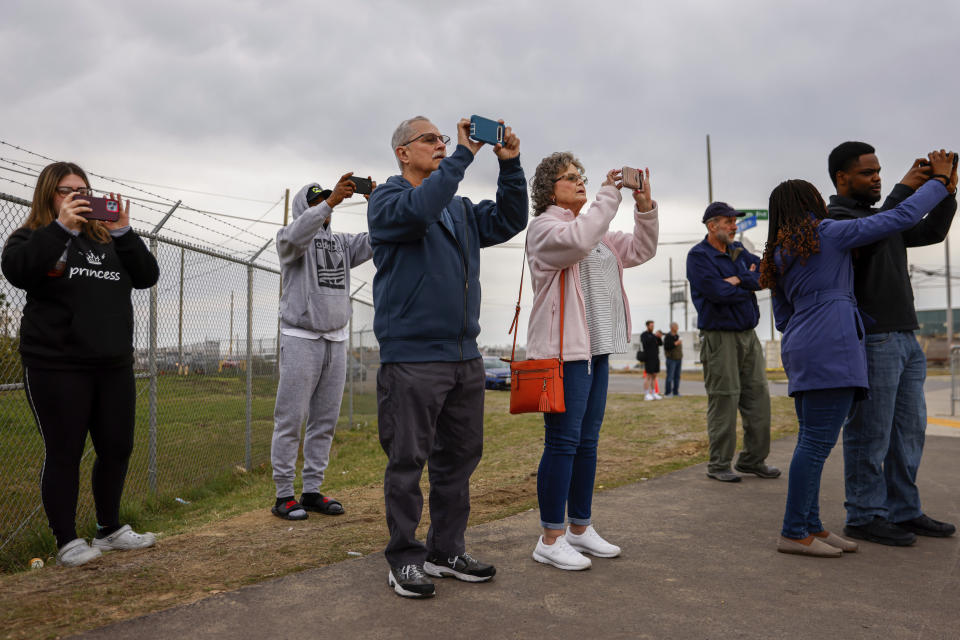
(429, 412)
(67, 405)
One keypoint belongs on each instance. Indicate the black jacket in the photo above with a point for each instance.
(670, 348)
(82, 318)
(651, 346)
(881, 280)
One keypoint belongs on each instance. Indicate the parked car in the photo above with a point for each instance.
(498, 373)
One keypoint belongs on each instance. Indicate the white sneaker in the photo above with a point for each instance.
(76, 552)
(124, 539)
(590, 542)
(648, 396)
(561, 555)
(657, 396)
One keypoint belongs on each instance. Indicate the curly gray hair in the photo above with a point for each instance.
(543, 181)
(403, 133)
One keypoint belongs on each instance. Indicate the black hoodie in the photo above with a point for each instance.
(80, 316)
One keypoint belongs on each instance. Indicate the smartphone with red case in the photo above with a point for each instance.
(105, 209)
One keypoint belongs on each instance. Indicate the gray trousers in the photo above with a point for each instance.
(429, 413)
(312, 375)
(734, 373)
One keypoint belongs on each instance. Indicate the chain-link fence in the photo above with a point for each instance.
(205, 342)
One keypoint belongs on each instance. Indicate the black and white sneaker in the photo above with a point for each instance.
(463, 567)
(409, 581)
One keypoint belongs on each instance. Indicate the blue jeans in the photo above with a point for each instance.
(673, 378)
(821, 414)
(569, 462)
(883, 442)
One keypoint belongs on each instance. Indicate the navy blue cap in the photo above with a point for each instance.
(715, 209)
(315, 193)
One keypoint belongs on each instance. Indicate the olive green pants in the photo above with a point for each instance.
(734, 373)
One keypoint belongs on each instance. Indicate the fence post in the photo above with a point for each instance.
(249, 438)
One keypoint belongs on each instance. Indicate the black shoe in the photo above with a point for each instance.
(289, 509)
(924, 525)
(724, 476)
(321, 504)
(463, 567)
(761, 470)
(881, 531)
(409, 581)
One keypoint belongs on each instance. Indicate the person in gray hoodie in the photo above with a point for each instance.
(315, 311)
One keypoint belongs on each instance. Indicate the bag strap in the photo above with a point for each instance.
(516, 314)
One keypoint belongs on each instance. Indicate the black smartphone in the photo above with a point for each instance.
(104, 209)
(362, 185)
(486, 130)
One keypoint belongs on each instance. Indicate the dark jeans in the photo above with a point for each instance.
(883, 442)
(821, 414)
(429, 413)
(673, 377)
(67, 405)
(569, 462)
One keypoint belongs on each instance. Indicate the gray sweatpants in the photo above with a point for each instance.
(312, 376)
(429, 413)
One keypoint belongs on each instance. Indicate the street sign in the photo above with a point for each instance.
(761, 214)
(746, 223)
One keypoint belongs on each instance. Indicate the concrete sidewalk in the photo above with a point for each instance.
(699, 561)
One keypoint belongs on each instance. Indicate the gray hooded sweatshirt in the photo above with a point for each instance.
(315, 268)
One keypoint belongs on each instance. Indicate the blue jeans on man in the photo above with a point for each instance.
(673, 378)
(883, 442)
(821, 414)
(569, 463)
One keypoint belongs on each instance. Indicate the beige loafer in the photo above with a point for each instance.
(818, 548)
(832, 539)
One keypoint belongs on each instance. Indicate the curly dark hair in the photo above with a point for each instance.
(542, 183)
(792, 233)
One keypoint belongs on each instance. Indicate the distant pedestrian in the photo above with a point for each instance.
(573, 251)
(673, 354)
(807, 266)
(76, 344)
(723, 279)
(650, 342)
(315, 313)
(430, 387)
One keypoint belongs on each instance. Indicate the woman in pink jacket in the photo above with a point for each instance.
(596, 313)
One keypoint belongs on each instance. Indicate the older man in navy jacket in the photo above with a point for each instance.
(426, 245)
(723, 277)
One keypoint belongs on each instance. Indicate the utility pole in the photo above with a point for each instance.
(946, 245)
(671, 290)
(709, 173)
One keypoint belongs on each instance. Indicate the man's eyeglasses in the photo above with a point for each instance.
(65, 191)
(429, 138)
(572, 177)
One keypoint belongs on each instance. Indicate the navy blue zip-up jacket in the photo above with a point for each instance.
(426, 246)
(720, 305)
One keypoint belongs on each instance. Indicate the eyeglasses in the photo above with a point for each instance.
(572, 177)
(429, 138)
(65, 191)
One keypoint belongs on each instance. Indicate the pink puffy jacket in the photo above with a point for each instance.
(557, 241)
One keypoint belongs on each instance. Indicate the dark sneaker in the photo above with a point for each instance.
(881, 531)
(761, 470)
(463, 567)
(409, 581)
(924, 525)
(724, 476)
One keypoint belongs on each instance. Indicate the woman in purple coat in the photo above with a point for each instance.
(807, 266)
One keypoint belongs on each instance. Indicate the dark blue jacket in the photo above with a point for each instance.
(426, 246)
(720, 305)
(814, 305)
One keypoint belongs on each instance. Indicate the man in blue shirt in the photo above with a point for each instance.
(426, 244)
(723, 277)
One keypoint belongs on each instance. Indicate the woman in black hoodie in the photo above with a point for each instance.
(76, 343)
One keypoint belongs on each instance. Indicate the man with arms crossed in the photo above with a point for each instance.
(883, 441)
(723, 277)
(430, 388)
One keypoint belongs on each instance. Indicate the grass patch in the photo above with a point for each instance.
(232, 540)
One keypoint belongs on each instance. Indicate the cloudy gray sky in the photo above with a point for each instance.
(245, 99)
